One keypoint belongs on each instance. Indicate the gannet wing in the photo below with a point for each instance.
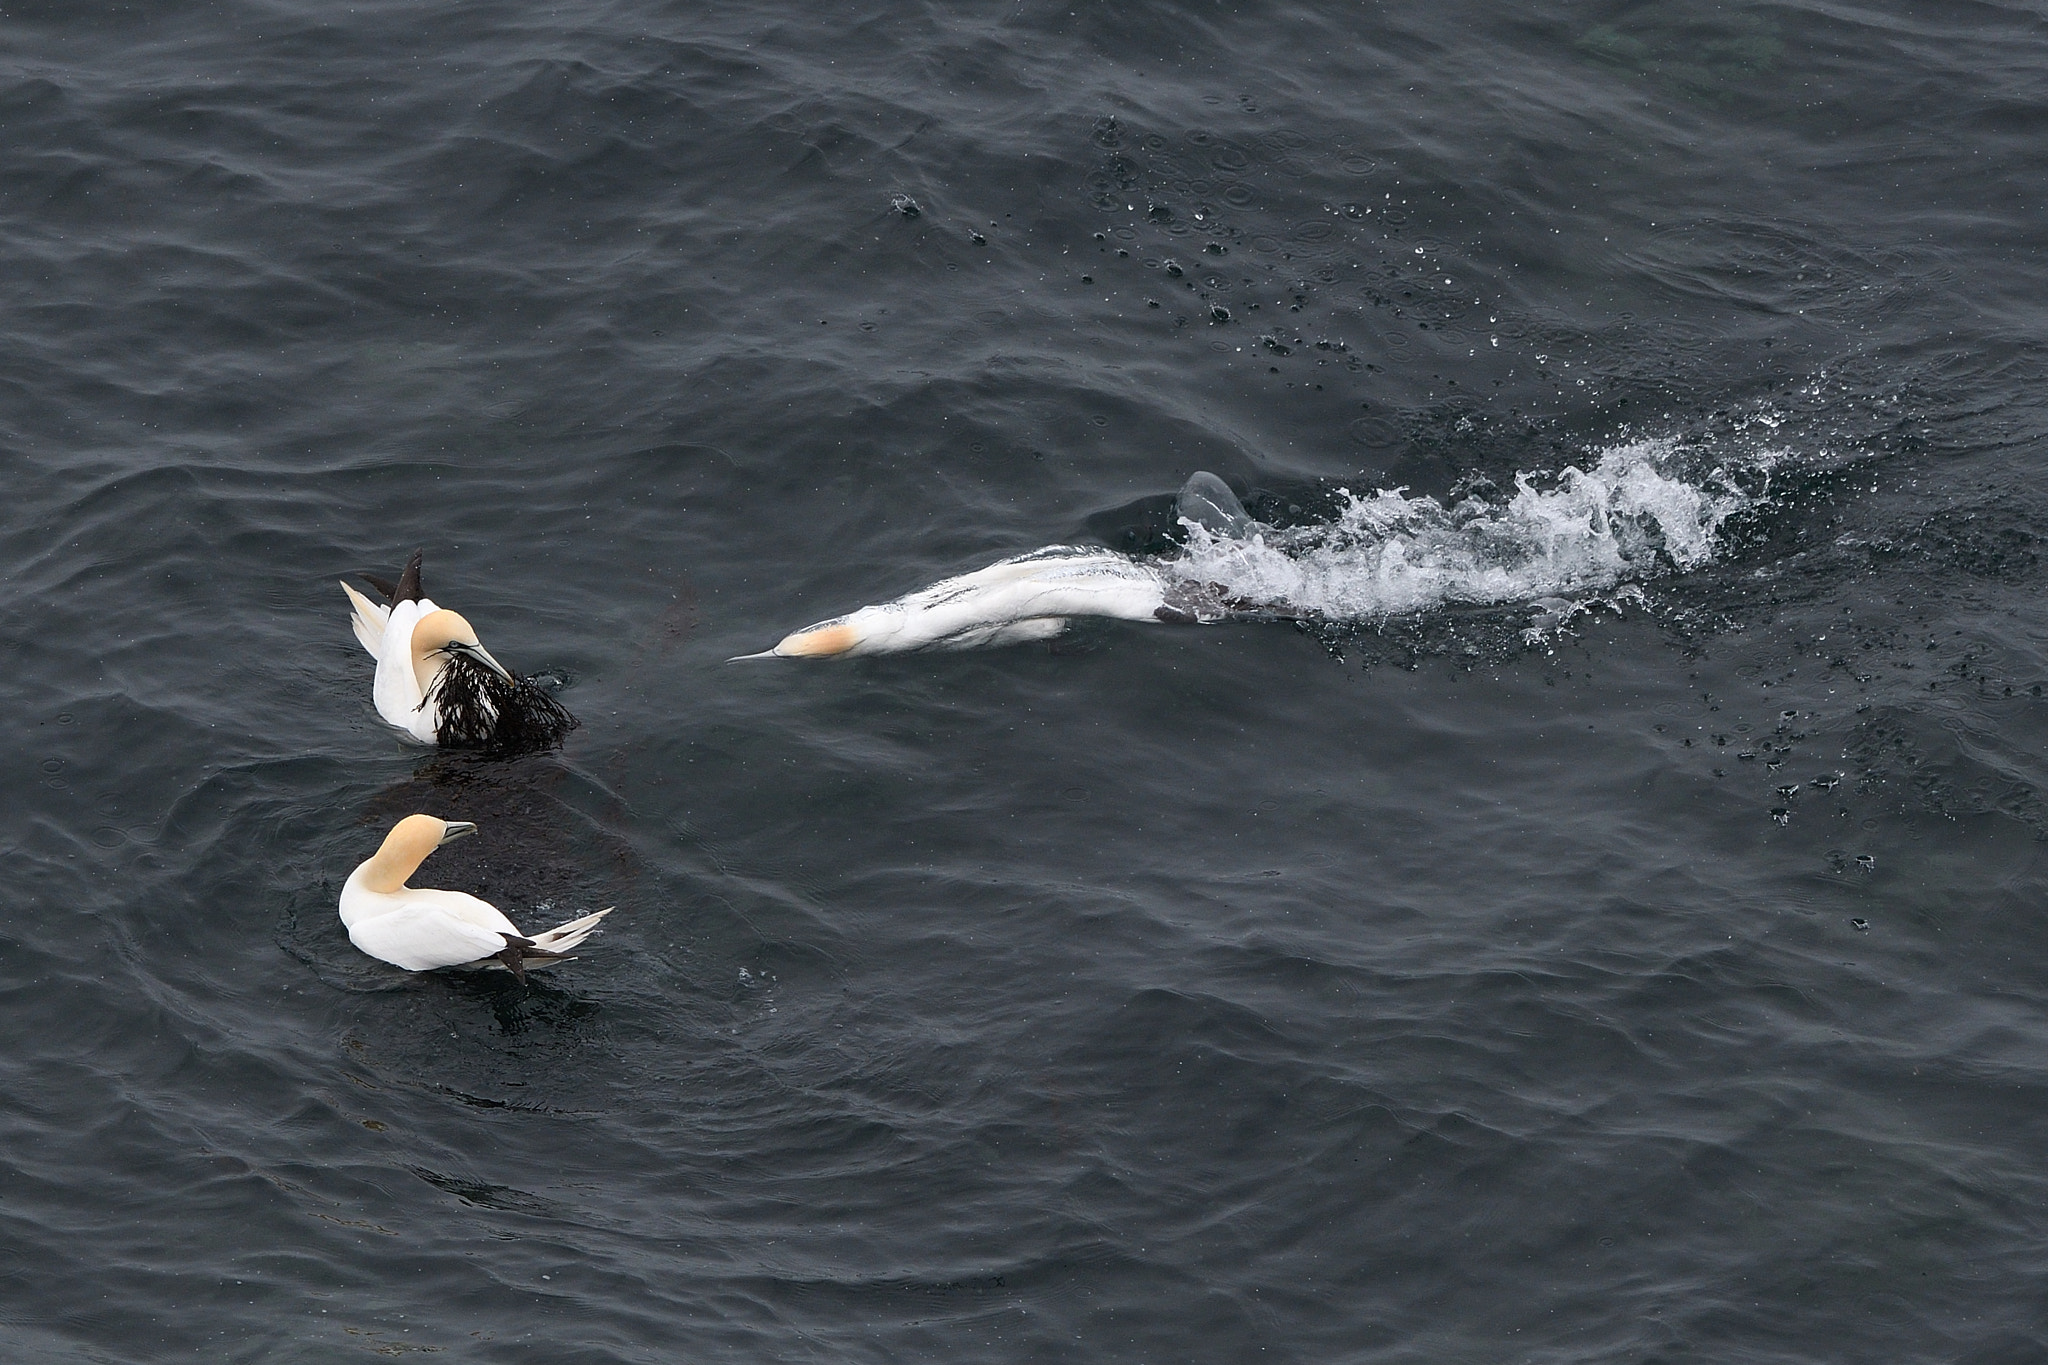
(369, 619)
(421, 940)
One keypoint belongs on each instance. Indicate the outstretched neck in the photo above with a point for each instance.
(388, 872)
(404, 849)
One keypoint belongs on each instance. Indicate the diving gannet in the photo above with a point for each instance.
(437, 683)
(1030, 596)
(420, 929)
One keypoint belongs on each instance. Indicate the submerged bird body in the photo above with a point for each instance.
(419, 929)
(436, 682)
(1031, 596)
(1026, 597)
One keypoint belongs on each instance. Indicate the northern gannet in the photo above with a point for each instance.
(1030, 596)
(420, 929)
(437, 683)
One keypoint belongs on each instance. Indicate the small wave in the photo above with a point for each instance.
(1630, 516)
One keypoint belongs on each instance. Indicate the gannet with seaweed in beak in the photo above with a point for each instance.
(420, 929)
(1031, 596)
(437, 683)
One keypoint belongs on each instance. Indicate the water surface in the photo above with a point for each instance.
(1631, 966)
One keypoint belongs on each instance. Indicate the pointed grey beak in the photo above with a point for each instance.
(482, 656)
(456, 829)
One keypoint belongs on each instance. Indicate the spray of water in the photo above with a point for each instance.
(1626, 517)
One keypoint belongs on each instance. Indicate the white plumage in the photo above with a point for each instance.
(1026, 597)
(420, 929)
(437, 683)
(1030, 596)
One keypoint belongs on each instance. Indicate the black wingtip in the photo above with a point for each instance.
(519, 951)
(408, 589)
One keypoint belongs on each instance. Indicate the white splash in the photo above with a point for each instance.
(1626, 518)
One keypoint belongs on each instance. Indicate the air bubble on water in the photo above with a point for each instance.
(1206, 501)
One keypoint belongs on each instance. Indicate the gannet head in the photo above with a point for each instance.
(406, 847)
(441, 633)
(858, 633)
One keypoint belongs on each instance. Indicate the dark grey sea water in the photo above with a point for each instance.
(1655, 973)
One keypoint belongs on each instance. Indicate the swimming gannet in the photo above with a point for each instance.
(437, 683)
(420, 929)
(1026, 597)
(1030, 596)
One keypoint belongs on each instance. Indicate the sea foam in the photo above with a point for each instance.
(1627, 517)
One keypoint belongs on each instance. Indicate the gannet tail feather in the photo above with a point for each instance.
(563, 937)
(408, 589)
(368, 619)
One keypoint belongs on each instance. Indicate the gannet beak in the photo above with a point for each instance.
(480, 655)
(812, 642)
(455, 829)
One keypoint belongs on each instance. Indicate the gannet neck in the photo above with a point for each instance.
(405, 848)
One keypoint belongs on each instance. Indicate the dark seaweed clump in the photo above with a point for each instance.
(478, 709)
